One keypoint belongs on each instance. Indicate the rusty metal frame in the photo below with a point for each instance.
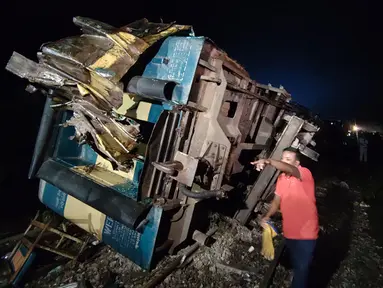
(268, 174)
(35, 244)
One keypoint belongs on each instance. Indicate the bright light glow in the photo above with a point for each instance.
(355, 128)
(332, 123)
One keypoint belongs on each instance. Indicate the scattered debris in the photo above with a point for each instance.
(344, 185)
(96, 270)
(71, 285)
(230, 252)
(364, 205)
(80, 284)
(233, 269)
(234, 259)
(362, 267)
(177, 262)
(208, 267)
(41, 235)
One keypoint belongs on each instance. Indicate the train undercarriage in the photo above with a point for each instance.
(146, 128)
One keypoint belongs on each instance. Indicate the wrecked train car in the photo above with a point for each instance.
(144, 122)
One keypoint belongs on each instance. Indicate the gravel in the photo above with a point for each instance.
(346, 256)
(362, 266)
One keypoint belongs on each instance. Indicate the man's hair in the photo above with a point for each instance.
(294, 150)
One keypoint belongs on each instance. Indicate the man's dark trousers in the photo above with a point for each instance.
(301, 254)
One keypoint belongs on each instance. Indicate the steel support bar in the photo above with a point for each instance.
(290, 132)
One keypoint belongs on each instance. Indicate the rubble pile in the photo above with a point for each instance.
(346, 255)
(233, 260)
(282, 277)
(99, 270)
(363, 266)
(227, 263)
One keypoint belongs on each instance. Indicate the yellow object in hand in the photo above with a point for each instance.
(267, 241)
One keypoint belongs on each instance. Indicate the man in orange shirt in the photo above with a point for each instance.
(295, 195)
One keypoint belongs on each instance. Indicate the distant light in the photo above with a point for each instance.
(332, 123)
(348, 134)
(355, 128)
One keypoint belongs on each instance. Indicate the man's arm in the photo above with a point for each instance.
(281, 166)
(285, 167)
(274, 207)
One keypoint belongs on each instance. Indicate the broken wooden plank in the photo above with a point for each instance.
(56, 231)
(234, 269)
(178, 262)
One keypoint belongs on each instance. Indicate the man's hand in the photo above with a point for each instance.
(264, 221)
(273, 209)
(260, 164)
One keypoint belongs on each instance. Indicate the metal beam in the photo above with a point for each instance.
(290, 132)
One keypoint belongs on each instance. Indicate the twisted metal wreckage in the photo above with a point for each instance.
(162, 120)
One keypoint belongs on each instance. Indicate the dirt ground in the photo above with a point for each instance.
(231, 247)
(346, 254)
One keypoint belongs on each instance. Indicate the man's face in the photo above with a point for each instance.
(290, 158)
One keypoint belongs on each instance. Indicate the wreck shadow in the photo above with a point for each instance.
(336, 207)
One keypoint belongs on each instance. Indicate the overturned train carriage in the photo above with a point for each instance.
(143, 124)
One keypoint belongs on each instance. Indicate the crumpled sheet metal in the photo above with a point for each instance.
(85, 72)
(96, 60)
(112, 139)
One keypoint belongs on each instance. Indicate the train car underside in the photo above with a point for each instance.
(143, 124)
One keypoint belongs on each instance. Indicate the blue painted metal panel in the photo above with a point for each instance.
(177, 61)
(54, 198)
(18, 280)
(130, 188)
(69, 151)
(136, 246)
(137, 171)
(155, 112)
(71, 154)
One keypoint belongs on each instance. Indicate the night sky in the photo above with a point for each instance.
(320, 52)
